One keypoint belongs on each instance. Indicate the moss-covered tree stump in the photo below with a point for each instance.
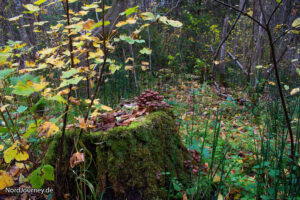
(128, 162)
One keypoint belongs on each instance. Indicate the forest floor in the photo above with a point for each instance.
(217, 122)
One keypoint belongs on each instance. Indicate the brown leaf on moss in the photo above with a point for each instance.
(76, 159)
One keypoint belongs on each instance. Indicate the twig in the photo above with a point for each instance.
(243, 13)
(172, 8)
(229, 32)
(274, 11)
(7, 125)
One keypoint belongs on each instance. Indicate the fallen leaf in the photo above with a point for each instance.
(5, 180)
(76, 159)
(82, 123)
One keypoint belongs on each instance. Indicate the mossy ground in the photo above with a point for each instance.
(128, 161)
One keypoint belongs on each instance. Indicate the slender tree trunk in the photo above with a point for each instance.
(223, 48)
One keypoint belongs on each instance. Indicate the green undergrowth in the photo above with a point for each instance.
(244, 150)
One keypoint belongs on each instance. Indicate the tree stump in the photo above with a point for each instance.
(128, 162)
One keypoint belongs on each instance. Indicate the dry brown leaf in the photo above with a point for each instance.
(76, 159)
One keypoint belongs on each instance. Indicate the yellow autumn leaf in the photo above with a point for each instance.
(106, 108)
(19, 46)
(82, 123)
(131, 20)
(87, 25)
(89, 6)
(129, 59)
(46, 51)
(88, 101)
(76, 61)
(31, 8)
(145, 63)
(15, 18)
(21, 165)
(9, 98)
(47, 129)
(216, 62)
(295, 91)
(95, 113)
(128, 67)
(5, 180)
(144, 68)
(64, 92)
(82, 13)
(220, 196)
(37, 86)
(216, 178)
(271, 83)
(15, 152)
(97, 54)
(1, 147)
(121, 23)
(29, 63)
(3, 108)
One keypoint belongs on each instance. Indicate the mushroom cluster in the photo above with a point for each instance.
(152, 101)
(190, 164)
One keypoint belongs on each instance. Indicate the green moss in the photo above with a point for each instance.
(129, 159)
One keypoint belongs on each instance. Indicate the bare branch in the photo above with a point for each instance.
(227, 35)
(243, 13)
(274, 11)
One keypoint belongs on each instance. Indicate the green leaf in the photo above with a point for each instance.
(113, 68)
(296, 22)
(41, 23)
(99, 24)
(31, 8)
(146, 51)
(170, 22)
(130, 11)
(176, 186)
(127, 39)
(57, 98)
(24, 78)
(4, 57)
(3, 130)
(39, 2)
(48, 172)
(139, 41)
(35, 178)
(147, 16)
(21, 109)
(68, 74)
(73, 81)
(5, 72)
(22, 89)
(174, 23)
(30, 130)
(286, 87)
